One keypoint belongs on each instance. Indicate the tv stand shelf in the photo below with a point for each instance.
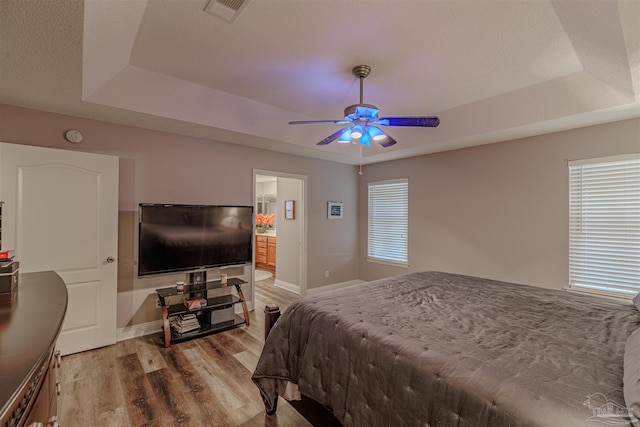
(172, 305)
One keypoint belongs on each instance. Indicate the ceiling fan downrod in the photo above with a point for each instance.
(361, 72)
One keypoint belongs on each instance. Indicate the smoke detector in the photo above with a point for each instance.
(227, 10)
(73, 136)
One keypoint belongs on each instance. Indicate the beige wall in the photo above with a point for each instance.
(498, 211)
(289, 234)
(163, 167)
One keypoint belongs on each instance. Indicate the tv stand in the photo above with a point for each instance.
(172, 306)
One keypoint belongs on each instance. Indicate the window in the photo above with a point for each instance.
(604, 224)
(388, 221)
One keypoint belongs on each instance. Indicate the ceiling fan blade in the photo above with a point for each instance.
(332, 137)
(428, 122)
(387, 142)
(310, 122)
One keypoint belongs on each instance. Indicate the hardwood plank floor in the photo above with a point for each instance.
(202, 382)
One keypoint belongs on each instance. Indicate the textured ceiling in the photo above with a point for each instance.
(491, 70)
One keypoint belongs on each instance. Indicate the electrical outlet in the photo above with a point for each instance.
(157, 302)
(326, 273)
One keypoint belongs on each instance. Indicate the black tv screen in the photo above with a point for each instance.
(173, 238)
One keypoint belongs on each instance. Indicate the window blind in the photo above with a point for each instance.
(388, 221)
(604, 224)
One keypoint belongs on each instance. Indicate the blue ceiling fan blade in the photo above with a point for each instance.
(332, 137)
(309, 122)
(427, 122)
(387, 142)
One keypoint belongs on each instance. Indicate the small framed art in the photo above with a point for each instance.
(289, 209)
(334, 210)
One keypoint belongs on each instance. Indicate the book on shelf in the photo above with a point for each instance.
(186, 316)
(185, 322)
(184, 331)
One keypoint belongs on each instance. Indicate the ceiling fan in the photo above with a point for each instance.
(363, 120)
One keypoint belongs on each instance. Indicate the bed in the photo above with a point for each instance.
(440, 349)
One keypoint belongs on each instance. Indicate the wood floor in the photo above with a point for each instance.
(202, 382)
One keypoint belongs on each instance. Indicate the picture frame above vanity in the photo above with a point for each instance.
(289, 209)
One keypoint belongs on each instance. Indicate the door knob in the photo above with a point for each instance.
(110, 259)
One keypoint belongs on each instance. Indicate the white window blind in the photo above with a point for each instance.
(604, 224)
(388, 221)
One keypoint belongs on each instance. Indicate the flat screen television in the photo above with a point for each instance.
(174, 238)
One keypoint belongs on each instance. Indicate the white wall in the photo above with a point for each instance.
(498, 211)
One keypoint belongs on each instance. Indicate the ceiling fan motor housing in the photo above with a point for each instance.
(367, 112)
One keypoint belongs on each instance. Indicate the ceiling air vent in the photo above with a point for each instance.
(226, 9)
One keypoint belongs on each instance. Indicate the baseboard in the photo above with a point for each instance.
(138, 330)
(287, 286)
(325, 288)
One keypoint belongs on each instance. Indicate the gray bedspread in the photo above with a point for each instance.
(438, 349)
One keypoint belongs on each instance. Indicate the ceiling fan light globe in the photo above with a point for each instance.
(356, 132)
(345, 138)
(376, 133)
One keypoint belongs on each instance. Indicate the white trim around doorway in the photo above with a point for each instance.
(303, 217)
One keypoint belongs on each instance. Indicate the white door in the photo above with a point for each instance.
(61, 213)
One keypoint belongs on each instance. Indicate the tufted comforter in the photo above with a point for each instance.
(438, 349)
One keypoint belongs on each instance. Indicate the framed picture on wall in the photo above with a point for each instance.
(334, 210)
(289, 209)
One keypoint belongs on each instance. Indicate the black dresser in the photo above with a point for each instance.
(29, 329)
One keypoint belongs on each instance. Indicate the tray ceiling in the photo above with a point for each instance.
(491, 70)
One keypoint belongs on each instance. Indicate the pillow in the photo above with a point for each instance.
(631, 376)
(636, 301)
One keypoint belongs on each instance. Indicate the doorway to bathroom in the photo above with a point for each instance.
(280, 238)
